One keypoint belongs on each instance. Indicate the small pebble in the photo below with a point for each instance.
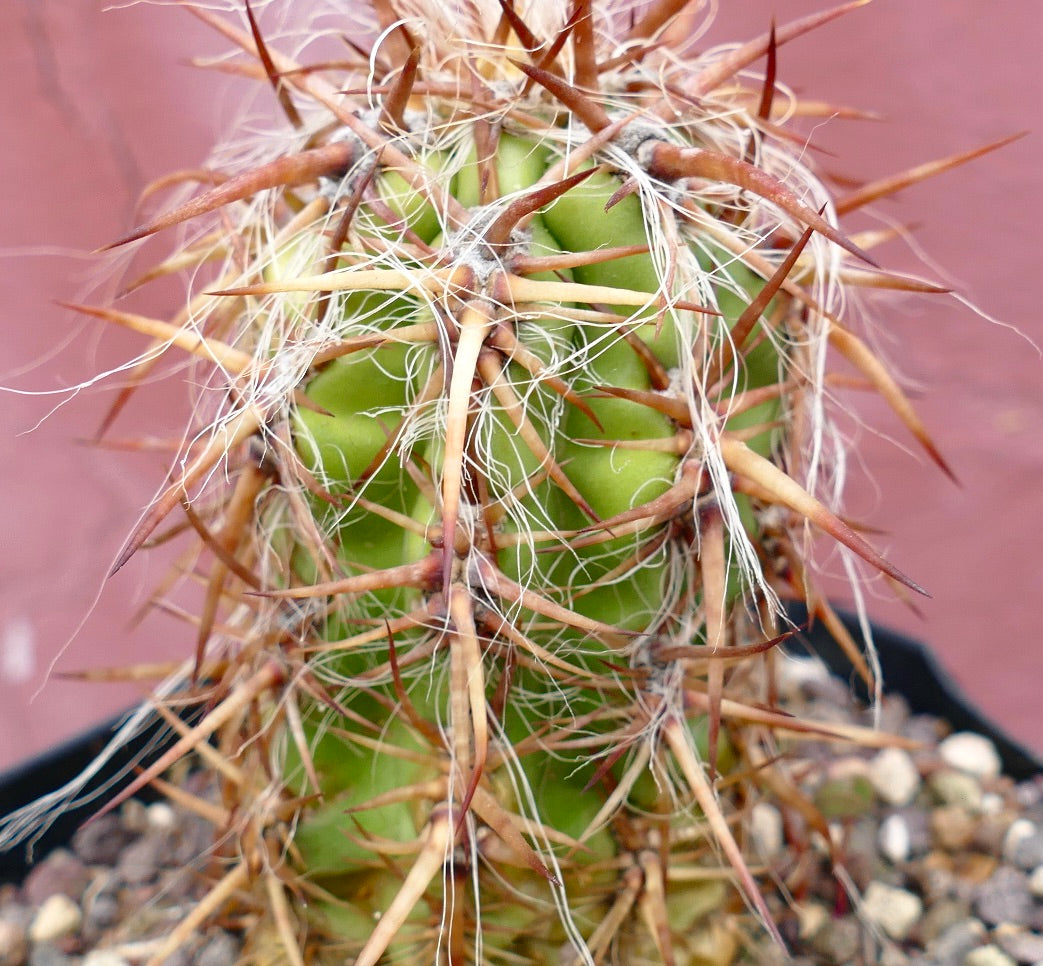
(141, 860)
(766, 830)
(849, 767)
(775, 956)
(862, 855)
(101, 911)
(134, 816)
(893, 956)
(893, 838)
(924, 729)
(104, 957)
(971, 753)
(712, 943)
(60, 872)
(953, 827)
(161, 817)
(1027, 852)
(991, 832)
(988, 956)
(839, 942)
(974, 869)
(194, 841)
(795, 674)
(101, 841)
(942, 916)
(895, 911)
(812, 916)
(889, 717)
(1020, 944)
(992, 804)
(14, 944)
(44, 954)
(918, 821)
(934, 876)
(895, 776)
(952, 787)
(1004, 897)
(182, 957)
(180, 884)
(1020, 828)
(955, 942)
(831, 695)
(1036, 882)
(1030, 793)
(57, 916)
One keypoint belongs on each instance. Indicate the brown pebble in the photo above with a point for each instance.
(991, 832)
(60, 873)
(975, 867)
(934, 875)
(953, 827)
(101, 841)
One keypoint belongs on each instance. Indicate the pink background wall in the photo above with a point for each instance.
(95, 105)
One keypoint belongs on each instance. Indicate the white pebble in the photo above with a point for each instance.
(796, 673)
(988, 956)
(161, 817)
(766, 830)
(895, 911)
(894, 839)
(811, 917)
(1036, 882)
(1020, 829)
(848, 767)
(104, 957)
(971, 753)
(57, 916)
(895, 776)
(992, 804)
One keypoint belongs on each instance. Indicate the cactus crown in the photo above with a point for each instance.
(519, 336)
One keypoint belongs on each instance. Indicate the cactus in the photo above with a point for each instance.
(514, 434)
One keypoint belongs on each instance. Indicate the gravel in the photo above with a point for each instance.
(125, 881)
(935, 859)
(941, 854)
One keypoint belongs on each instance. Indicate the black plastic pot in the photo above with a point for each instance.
(43, 774)
(909, 668)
